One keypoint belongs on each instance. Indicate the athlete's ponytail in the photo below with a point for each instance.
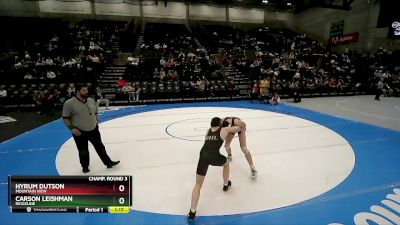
(225, 123)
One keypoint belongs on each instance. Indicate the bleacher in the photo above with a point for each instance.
(177, 63)
(49, 55)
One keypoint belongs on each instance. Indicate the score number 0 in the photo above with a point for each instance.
(121, 200)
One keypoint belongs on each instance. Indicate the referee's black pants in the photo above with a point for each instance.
(378, 93)
(82, 144)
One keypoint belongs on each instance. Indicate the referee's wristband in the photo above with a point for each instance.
(71, 127)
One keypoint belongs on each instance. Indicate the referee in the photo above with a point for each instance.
(80, 116)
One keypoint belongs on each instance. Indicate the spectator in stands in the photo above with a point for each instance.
(200, 87)
(339, 86)
(39, 60)
(295, 90)
(297, 74)
(120, 82)
(71, 90)
(395, 85)
(3, 92)
(44, 102)
(265, 97)
(50, 74)
(332, 85)
(91, 46)
(95, 59)
(82, 55)
(27, 56)
(275, 100)
(3, 98)
(264, 85)
(81, 47)
(156, 74)
(130, 59)
(135, 61)
(172, 74)
(28, 76)
(138, 90)
(162, 61)
(49, 61)
(100, 98)
(97, 47)
(70, 63)
(379, 88)
(162, 74)
(129, 91)
(39, 101)
(255, 93)
(387, 91)
(62, 93)
(18, 63)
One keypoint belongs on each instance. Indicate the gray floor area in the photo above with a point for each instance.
(24, 121)
(384, 113)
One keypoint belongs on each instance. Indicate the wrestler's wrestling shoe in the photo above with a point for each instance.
(226, 187)
(253, 174)
(191, 215)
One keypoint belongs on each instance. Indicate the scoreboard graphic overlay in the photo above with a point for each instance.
(78, 194)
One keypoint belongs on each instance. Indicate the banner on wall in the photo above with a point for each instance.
(344, 39)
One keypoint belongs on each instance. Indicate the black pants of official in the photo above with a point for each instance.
(82, 143)
(378, 93)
